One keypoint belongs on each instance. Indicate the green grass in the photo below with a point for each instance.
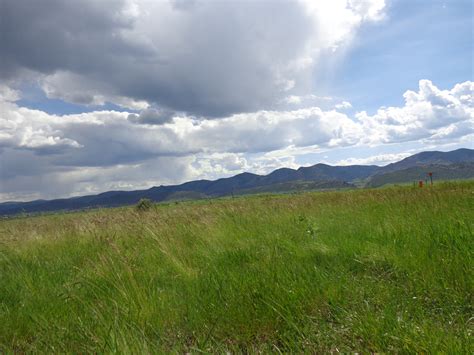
(362, 270)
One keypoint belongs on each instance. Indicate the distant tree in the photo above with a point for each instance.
(144, 204)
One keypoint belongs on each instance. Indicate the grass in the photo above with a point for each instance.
(361, 270)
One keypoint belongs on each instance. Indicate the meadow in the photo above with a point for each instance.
(365, 270)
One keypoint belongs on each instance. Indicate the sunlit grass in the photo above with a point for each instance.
(363, 270)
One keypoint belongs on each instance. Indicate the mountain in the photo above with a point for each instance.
(458, 164)
(462, 155)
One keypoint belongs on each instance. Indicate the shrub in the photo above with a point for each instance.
(144, 204)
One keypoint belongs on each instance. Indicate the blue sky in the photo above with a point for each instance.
(128, 94)
(419, 39)
(35, 98)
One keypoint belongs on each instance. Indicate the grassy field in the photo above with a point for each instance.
(361, 270)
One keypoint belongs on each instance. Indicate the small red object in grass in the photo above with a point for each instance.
(420, 183)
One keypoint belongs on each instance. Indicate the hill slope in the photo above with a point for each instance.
(416, 173)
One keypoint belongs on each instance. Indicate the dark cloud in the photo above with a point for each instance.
(152, 116)
(50, 35)
(213, 59)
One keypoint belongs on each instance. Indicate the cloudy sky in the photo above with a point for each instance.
(127, 94)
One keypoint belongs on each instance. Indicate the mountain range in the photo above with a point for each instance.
(457, 164)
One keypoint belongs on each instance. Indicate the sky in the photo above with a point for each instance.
(130, 94)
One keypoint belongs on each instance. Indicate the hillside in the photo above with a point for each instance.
(297, 186)
(416, 173)
(366, 271)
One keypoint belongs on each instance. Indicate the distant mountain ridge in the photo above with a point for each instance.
(445, 165)
(462, 155)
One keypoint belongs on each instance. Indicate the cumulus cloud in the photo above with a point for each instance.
(120, 140)
(220, 164)
(102, 150)
(430, 114)
(26, 129)
(204, 57)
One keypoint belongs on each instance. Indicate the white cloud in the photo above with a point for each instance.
(335, 21)
(344, 105)
(310, 100)
(217, 165)
(381, 159)
(429, 115)
(8, 94)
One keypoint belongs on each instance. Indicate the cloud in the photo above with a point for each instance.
(152, 116)
(217, 165)
(80, 90)
(8, 94)
(27, 129)
(310, 100)
(204, 57)
(380, 159)
(44, 179)
(344, 105)
(119, 139)
(430, 115)
(101, 150)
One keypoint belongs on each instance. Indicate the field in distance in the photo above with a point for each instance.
(360, 270)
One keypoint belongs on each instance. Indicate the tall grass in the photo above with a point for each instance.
(364, 270)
